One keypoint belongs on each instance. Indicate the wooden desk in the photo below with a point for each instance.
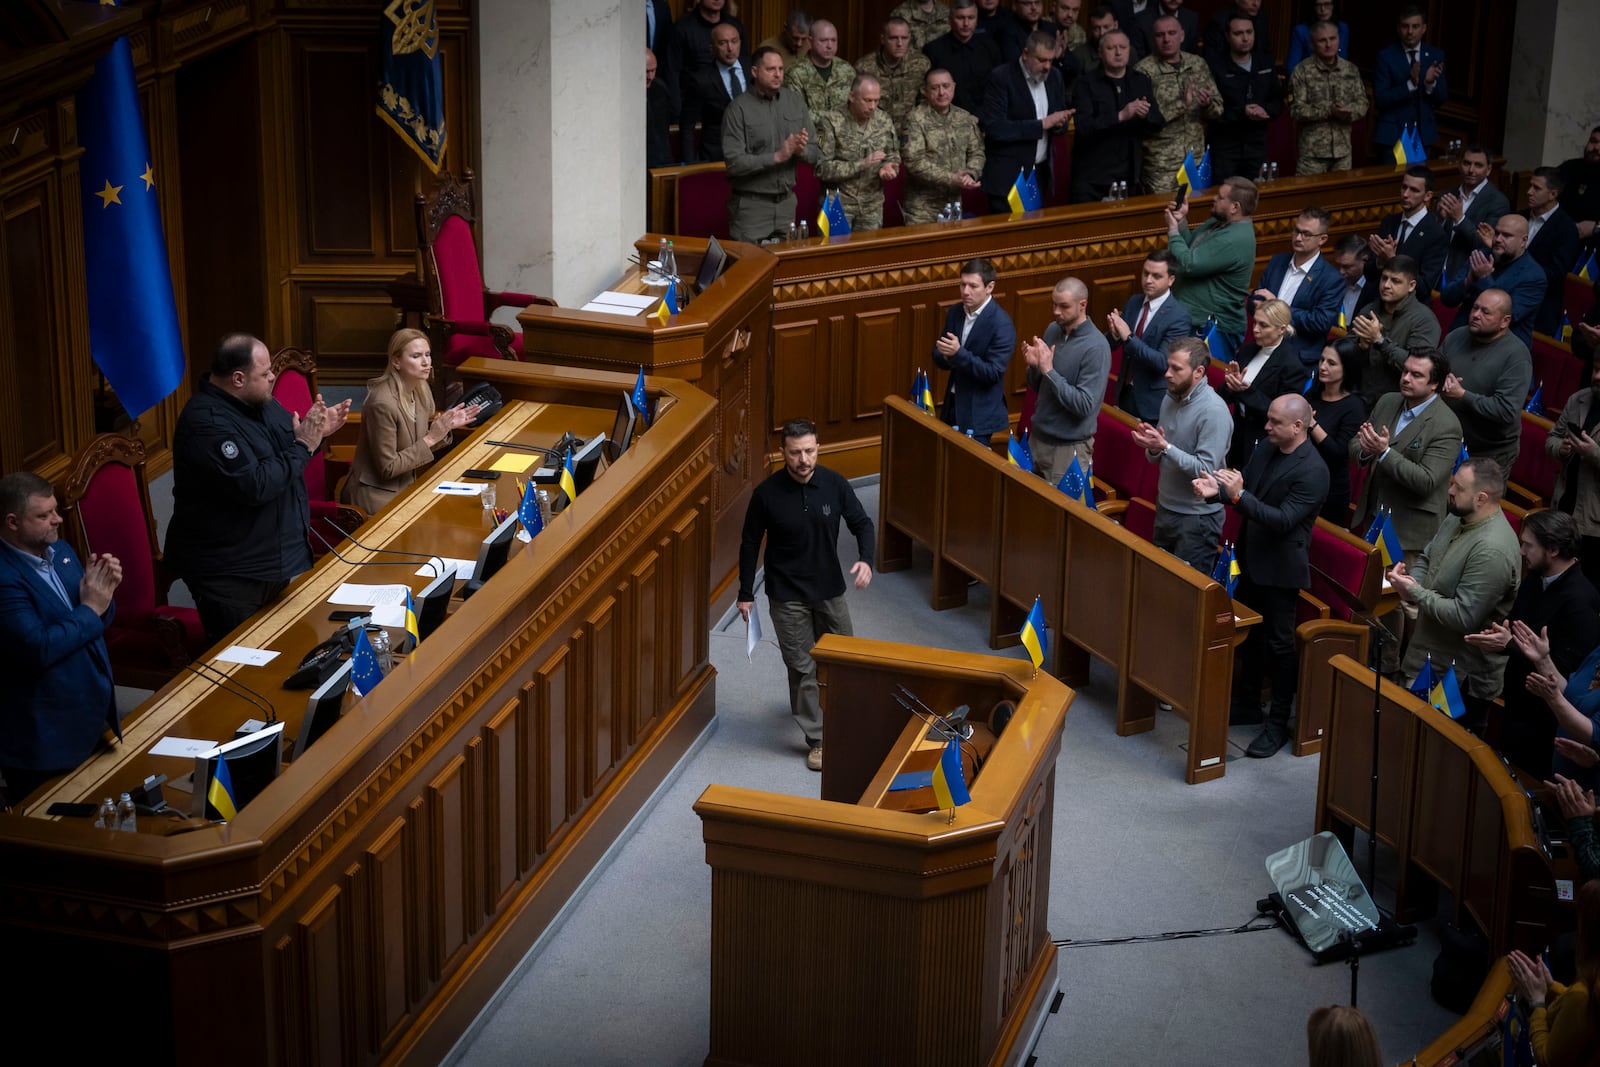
(1479, 1029)
(1168, 630)
(718, 342)
(1446, 804)
(371, 900)
(842, 933)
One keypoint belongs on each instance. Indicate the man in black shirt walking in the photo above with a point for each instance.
(797, 511)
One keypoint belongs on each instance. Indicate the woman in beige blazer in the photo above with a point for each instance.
(399, 431)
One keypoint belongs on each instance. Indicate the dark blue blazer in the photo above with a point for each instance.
(975, 399)
(1555, 246)
(1316, 305)
(1279, 505)
(1398, 106)
(1143, 372)
(57, 671)
(1524, 279)
(1428, 243)
(1011, 127)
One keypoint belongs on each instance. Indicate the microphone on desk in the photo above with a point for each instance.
(434, 561)
(941, 724)
(222, 680)
(374, 562)
(955, 723)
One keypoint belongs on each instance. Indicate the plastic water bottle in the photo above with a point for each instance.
(1274, 173)
(669, 265)
(805, 230)
(380, 649)
(127, 814)
(106, 817)
(794, 231)
(544, 504)
(661, 260)
(1262, 176)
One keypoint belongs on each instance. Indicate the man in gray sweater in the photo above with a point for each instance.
(1490, 372)
(1068, 369)
(1191, 441)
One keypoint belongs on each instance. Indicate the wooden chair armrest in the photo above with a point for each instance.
(1533, 500)
(1112, 509)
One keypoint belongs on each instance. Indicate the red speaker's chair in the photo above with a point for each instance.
(1532, 480)
(1555, 370)
(702, 205)
(807, 196)
(105, 505)
(296, 390)
(459, 303)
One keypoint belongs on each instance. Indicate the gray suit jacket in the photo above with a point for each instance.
(1412, 477)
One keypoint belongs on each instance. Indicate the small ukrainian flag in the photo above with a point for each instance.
(1018, 454)
(1034, 636)
(412, 626)
(1383, 534)
(949, 780)
(669, 303)
(569, 483)
(219, 794)
(1446, 695)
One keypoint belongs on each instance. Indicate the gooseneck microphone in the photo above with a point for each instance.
(222, 681)
(374, 562)
(434, 561)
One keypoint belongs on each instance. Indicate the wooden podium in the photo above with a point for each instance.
(845, 933)
(718, 341)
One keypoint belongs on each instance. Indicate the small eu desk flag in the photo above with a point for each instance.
(1075, 483)
(831, 220)
(219, 794)
(1024, 194)
(1018, 454)
(1227, 570)
(640, 402)
(1422, 685)
(411, 78)
(365, 674)
(949, 780)
(133, 319)
(529, 514)
(1034, 637)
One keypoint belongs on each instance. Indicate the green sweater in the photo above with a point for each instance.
(1214, 267)
(1467, 579)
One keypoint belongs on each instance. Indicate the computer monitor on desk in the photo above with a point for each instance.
(323, 708)
(241, 769)
(711, 265)
(434, 601)
(492, 555)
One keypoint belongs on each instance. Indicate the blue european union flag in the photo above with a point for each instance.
(411, 74)
(1311, 382)
(528, 514)
(133, 319)
(365, 674)
(1205, 169)
(1018, 454)
(1075, 483)
(1423, 685)
(1535, 404)
(1461, 457)
(1031, 197)
(641, 403)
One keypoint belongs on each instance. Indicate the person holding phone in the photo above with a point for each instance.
(399, 431)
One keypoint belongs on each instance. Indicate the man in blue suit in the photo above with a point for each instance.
(53, 617)
(1151, 321)
(1553, 243)
(1413, 231)
(976, 348)
(1511, 269)
(1408, 83)
(1311, 286)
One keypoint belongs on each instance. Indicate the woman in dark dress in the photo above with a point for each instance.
(1261, 371)
(1338, 412)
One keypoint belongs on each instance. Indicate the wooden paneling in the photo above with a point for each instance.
(34, 416)
(391, 909)
(603, 660)
(505, 803)
(333, 80)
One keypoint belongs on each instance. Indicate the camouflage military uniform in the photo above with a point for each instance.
(1325, 141)
(901, 85)
(842, 143)
(1185, 130)
(1076, 37)
(937, 148)
(822, 95)
(925, 26)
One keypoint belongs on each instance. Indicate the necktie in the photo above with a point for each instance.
(650, 24)
(1411, 56)
(1405, 230)
(1144, 316)
(733, 83)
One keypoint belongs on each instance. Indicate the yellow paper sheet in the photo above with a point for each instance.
(512, 463)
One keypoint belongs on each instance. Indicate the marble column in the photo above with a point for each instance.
(562, 186)
(1554, 96)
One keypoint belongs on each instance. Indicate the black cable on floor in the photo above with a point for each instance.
(1176, 935)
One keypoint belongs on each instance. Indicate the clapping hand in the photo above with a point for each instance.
(1494, 638)
(1577, 752)
(1230, 481)
(1453, 389)
(1544, 687)
(1367, 328)
(1450, 207)
(1372, 440)
(1117, 326)
(1037, 354)
(1150, 438)
(1532, 977)
(1480, 265)
(1535, 646)
(1382, 248)
(100, 580)
(1233, 377)
(1486, 233)
(1205, 486)
(1575, 801)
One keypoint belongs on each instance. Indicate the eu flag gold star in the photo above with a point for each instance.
(149, 177)
(109, 195)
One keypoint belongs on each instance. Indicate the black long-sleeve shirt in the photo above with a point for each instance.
(800, 523)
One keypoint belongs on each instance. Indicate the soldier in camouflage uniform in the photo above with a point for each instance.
(898, 69)
(1187, 95)
(927, 19)
(1328, 99)
(821, 79)
(859, 150)
(1069, 34)
(943, 151)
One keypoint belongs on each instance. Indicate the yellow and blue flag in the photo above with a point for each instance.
(1218, 343)
(411, 78)
(365, 673)
(640, 402)
(133, 318)
(1564, 334)
(1535, 404)
(925, 398)
(1446, 695)
(219, 794)
(412, 626)
(1018, 454)
(1342, 322)
(569, 478)
(1035, 638)
(528, 512)
(1227, 570)
(669, 302)
(1311, 383)
(831, 219)
(1189, 173)
(1075, 483)
(1204, 169)
(949, 780)
(1589, 269)
(1409, 148)
(1382, 533)
(1024, 194)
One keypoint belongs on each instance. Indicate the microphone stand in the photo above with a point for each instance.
(223, 680)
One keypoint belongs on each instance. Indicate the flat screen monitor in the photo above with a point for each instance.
(252, 763)
(622, 428)
(585, 461)
(433, 602)
(711, 266)
(323, 708)
(492, 555)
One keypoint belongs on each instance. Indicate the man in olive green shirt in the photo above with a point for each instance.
(823, 80)
(1215, 261)
(859, 151)
(943, 151)
(764, 133)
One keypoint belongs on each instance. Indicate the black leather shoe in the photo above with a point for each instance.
(1245, 713)
(1268, 741)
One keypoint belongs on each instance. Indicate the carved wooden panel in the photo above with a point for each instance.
(320, 944)
(648, 656)
(879, 346)
(1032, 312)
(799, 350)
(505, 790)
(33, 408)
(604, 661)
(390, 905)
(334, 82)
(691, 559)
(552, 750)
(421, 959)
(451, 859)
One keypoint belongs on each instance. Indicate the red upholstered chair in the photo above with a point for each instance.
(1358, 482)
(1215, 372)
(296, 390)
(1515, 515)
(1283, 147)
(894, 191)
(1340, 558)
(1061, 173)
(1140, 519)
(1445, 315)
(459, 303)
(1231, 522)
(1557, 370)
(1119, 462)
(807, 196)
(1115, 377)
(702, 209)
(1532, 482)
(974, 203)
(105, 505)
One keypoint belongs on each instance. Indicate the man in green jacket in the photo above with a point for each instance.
(1215, 261)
